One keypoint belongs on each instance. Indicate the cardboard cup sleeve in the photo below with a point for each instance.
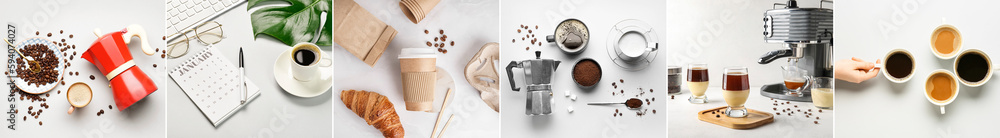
(416, 10)
(418, 90)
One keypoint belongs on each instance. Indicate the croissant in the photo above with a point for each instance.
(375, 109)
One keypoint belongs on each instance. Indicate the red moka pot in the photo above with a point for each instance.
(110, 54)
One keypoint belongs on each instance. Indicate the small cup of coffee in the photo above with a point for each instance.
(941, 88)
(308, 59)
(973, 67)
(946, 41)
(898, 66)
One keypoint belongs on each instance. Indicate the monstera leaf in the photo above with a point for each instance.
(299, 22)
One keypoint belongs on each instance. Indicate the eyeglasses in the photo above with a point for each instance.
(207, 33)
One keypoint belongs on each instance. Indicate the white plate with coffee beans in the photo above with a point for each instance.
(51, 60)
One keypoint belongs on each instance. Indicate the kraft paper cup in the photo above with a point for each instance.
(419, 73)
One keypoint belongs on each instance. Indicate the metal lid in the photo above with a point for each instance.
(673, 70)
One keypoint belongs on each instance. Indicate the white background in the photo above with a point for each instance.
(273, 113)
(587, 120)
(145, 118)
(470, 23)
(729, 33)
(880, 108)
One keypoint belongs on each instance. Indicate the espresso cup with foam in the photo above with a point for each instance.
(973, 67)
(307, 60)
(898, 65)
(417, 66)
(946, 41)
(941, 88)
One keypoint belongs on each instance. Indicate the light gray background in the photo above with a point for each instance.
(145, 118)
(470, 23)
(273, 113)
(880, 108)
(728, 33)
(587, 120)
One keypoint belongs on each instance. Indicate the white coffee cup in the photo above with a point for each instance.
(312, 70)
(988, 64)
(885, 72)
(929, 87)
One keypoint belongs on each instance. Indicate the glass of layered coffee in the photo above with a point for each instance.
(697, 80)
(736, 90)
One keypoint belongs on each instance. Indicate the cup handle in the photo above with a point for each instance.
(942, 109)
(806, 85)
(326, 63)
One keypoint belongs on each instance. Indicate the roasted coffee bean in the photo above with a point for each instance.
(815, 122)
(60, 31)
(452, 43)
(109, 107)
(50, 34)
(64, 40)
(428, 43)
(154, 65)
(518, 30)
(621, 80)
(426, 32)
(442, 31)
(435, 39)
(92, 77)
(36, 32)
(164, 37)
(39, 123)
(513, 40)
(71, 36)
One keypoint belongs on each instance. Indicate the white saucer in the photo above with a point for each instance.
(444, 82)
(33, 89)
(634, 26)
(305, 89)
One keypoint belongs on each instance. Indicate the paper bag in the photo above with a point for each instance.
(360, 32)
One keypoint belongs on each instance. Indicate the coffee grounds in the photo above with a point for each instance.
(972, 67)
(586, 72)
(633, 103)
(899, 65)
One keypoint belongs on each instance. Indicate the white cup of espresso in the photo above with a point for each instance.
(973, 67)
(895, 69)
(307, 60)
(941, 88)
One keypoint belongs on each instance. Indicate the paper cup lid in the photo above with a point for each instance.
(418, 53)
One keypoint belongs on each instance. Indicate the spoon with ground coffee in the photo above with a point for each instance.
(631, 103)
(35, 67)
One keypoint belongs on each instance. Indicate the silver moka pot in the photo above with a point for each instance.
(537, 78)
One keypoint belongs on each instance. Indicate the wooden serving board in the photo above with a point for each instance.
(753, 120)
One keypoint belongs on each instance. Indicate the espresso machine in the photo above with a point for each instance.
(537, 77)
(807, 34)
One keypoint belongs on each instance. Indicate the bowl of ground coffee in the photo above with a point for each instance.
(587, 72)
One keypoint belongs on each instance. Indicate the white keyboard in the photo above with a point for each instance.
(184, 15)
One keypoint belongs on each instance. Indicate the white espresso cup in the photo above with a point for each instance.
(949, 84)
(311, 70)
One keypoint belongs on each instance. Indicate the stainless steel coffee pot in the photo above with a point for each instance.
(537, 78)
